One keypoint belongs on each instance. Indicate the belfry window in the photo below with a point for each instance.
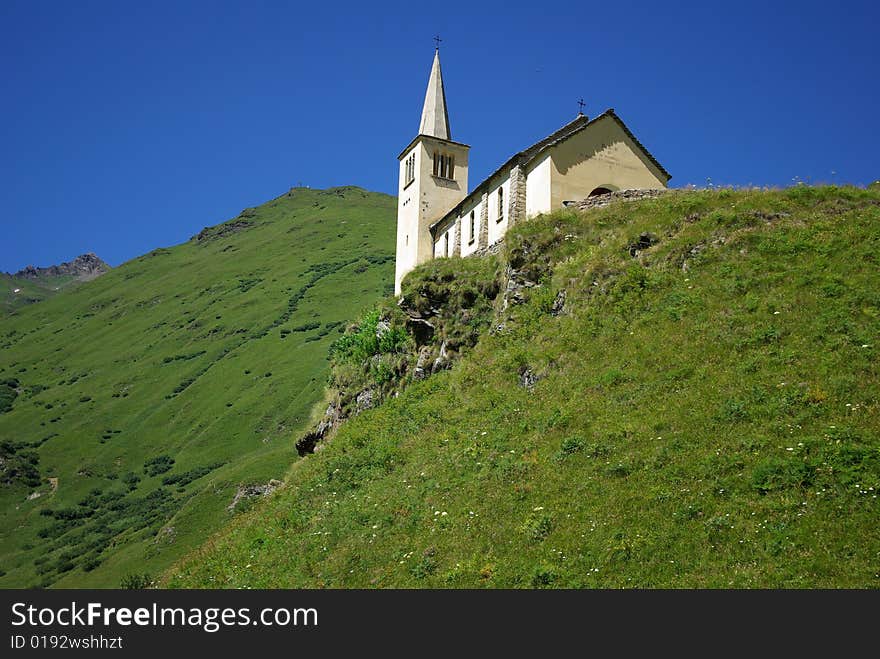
(444, 165)
(473, 227)
(500, 204)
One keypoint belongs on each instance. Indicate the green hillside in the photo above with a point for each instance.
(37, 284)
(134, 407)
(16, 292)
(700, 409)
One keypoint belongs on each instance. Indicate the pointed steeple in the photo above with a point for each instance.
(435, 121)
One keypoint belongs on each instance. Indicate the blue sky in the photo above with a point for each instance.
(127, 126)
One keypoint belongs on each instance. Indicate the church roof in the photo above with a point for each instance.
(526, 156)
(435, 120)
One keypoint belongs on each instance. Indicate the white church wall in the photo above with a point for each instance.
(407, 217)
(441, 247)
(538, 187)
(498, 225)
(469, 243)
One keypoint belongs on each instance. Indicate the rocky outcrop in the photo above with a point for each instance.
(221, 230)
(83, 267)
(251, 491)
(645, 241)
(602, 200)
(332, 417)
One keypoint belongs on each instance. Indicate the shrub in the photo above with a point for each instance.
(368, 338)
(8, 393)
(537, 527)
(779, 474)
(158, 465)
(187, 477)
(135, 581)
(569, 446)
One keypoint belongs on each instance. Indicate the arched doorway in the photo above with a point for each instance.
(600, 191)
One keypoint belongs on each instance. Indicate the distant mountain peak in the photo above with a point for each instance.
(85, 266)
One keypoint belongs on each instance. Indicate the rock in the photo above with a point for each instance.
(645, 241)
(249, 491)
(528, 378)
(600, 201)
(34, 495)
(424, 358)
(306, 444)
(517, 282)
(227, 228)
(84, 267)
(442, 362)
(382, 328)
(167, 534)
(364, 400)
(421, 330)
(558, 304)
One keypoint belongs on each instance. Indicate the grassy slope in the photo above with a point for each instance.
(31, 290)
(111, 354)
(715, 427)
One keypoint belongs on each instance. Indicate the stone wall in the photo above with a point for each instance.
(516, 211)
(483, 236)
(602, 200)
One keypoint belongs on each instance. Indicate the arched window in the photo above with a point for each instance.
(473, 227)
(446, 244)
(500, 204)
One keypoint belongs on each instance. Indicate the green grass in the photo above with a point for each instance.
(154, 391)
(31, 290)
(705, 415)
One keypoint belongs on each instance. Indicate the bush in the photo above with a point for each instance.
(158, 465)
(369, 337)
(18, 466)
(187, 477)
(778, 474)
(569, 446)
(8, 393)
(135, 581)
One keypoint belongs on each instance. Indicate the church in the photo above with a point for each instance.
(437, 217)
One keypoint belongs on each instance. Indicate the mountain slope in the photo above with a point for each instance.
(139, 403)
(688, 399)
(35, 284)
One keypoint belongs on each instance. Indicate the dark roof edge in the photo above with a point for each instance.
(430, 137)
(527, 156)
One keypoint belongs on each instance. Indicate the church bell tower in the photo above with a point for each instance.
(432, 180)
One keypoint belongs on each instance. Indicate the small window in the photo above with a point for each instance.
(409, 169)
(473, 227)
(446, 244)
(500, 204)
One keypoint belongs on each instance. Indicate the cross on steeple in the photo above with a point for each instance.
(581, 105)
(437, 41)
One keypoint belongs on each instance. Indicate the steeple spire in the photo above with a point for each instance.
(435, 121)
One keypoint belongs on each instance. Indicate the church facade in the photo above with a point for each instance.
(437, 217)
